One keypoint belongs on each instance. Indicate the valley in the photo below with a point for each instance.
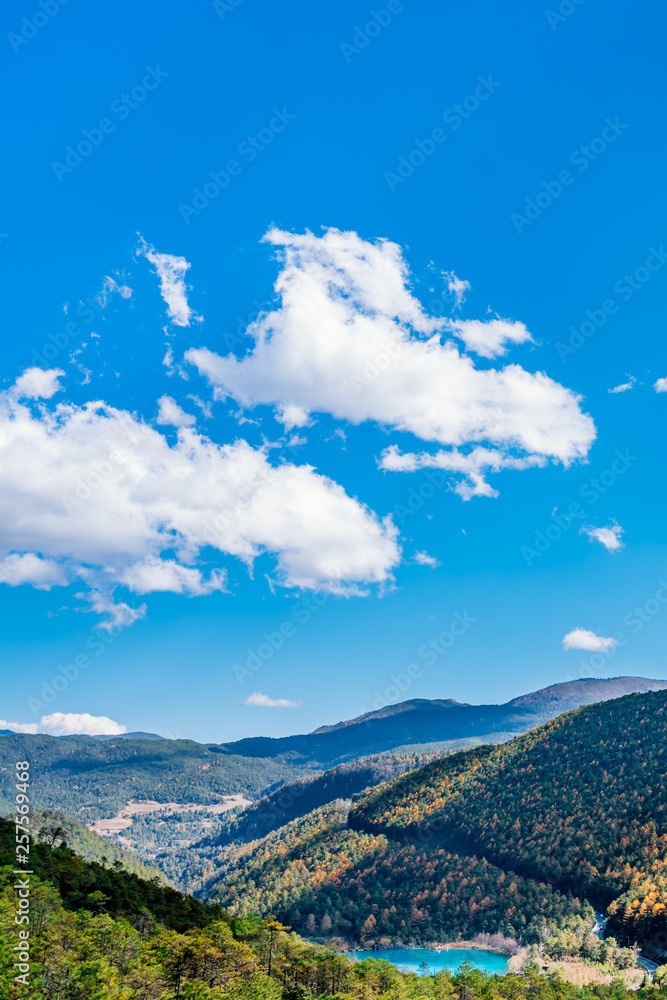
(511, 842)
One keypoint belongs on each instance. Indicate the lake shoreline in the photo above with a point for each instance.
(435, 960)
(497, 943)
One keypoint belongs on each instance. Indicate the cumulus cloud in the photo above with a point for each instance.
(351, 340)
(624, 386)
(489, 338)
(171, 414)
(610, 536)
(90, 493)
(20, 727)
(166, 574)
(660, 385)
(257, 698)
(37, 383)
(581, 638)
(68, 724)
(424, 559)
(28, 567)
(171, 271)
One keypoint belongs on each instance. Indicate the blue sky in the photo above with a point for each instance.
(519, 151)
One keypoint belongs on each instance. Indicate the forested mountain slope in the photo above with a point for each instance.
(54, 828)
(580, 802)
(89, 885)
(98, 935)
(297, 798)
(578, 805)
(89, 778)
(321, 876)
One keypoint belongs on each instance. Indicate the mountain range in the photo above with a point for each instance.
(427, 725)
(517, 839)
(90, 778)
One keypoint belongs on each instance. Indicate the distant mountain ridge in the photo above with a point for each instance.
(445, 722)
(131, 736)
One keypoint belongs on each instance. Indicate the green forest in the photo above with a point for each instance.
(511, 839)
(92, 779)
(580, 802)
(323, 876)
(108, 935)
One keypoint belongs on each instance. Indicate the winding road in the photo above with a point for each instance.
(599, 929)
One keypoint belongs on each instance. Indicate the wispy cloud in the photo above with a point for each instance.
(171, 271)
(457, 287)
(624, 386)
(424, 559)
(582, 638)
(263, 700)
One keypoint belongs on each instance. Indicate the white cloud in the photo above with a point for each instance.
(609, 537)
(457, 287)
(473, 465)
(624, 385)
(581, 638)
(424, 559)
(660, 385)
(489, 338)
(27, 567)
(90, 493)
(171, 272)
(71, 724)
(117, 614)
(351, 340)
(109, 286)
(170, 413)
(68, 724)
(167, 575)
(20, 727)
(257, 698)
(37, 383)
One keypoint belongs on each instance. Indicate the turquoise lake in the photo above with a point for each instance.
(411, 958)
